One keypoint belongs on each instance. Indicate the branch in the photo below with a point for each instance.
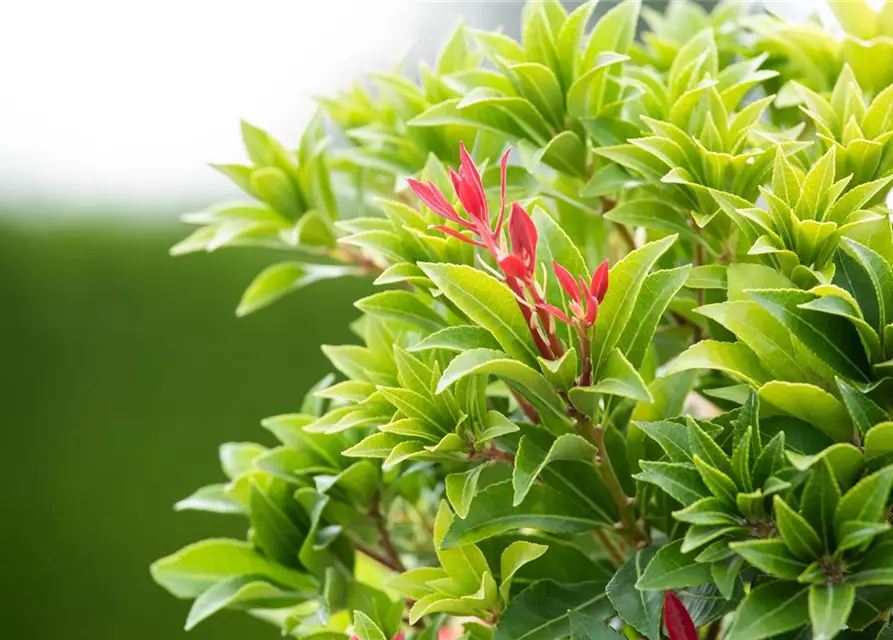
(391, 557)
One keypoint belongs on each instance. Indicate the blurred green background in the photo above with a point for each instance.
(123, 370)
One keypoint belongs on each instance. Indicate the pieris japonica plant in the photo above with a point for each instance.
(628, 365)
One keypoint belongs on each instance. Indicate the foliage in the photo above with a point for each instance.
(652, 392)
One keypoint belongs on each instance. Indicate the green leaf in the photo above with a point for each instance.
(461, 487)
(242, 592)
(880, 276)
(770, 610)
(763, 333)
(707, 511)
(561, 373)
(543, 609)
(701, 444)
(771, 556)
(879, 445)
(365, 629)
(641, 609)
(585, 627)
(734, 358)
(280, 279)
(531, 459)
(401, 306)
(829, 608)
(809, 403)
(719, 484)
(515, 556)
(843, 458)
(197, 567)
(492, 514)
(799, 537)
(672, 569)
(464, 563)
(819, 501)
(488, 303)
(486, 362)
(618, 378)
(657, 292)
(680, 480)
(212, 498)
(626, 280)
(833, 339)
(866, 501)
(275, 534)
(862, 409)
(458, 339)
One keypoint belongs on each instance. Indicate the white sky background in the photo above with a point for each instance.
(110, 102)
(120, 105)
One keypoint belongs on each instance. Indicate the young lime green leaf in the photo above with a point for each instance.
(798, 535)
(810, 403)
(461, 487)
(531, 459)
(562, 372)
(283, 278)
(464, 563)
(770, 610)
(242, 592)
(402, 306)
(734, 358)
(458, 339)
(829, 608)
(763, 333)
(641, 609)
(626, 280)
(864, 412)
(618, 378)
(212, 498)
(515, 556)
(672, 569)
(365, 628)
(197, 567)
(487, 302)
(657, 292)
(878, 445)
(531, 383)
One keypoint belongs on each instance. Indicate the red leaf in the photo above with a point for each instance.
(676, 619)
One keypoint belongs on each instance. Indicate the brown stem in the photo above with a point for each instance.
(384, 537)
(378, 557)
(627, 235)
(616, 556)
(492, 452)
(528, 409)
(628, 524)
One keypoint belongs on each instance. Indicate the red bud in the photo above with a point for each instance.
(522, 233)
(599, 284)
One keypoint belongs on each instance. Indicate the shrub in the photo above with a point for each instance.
(636, 381)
